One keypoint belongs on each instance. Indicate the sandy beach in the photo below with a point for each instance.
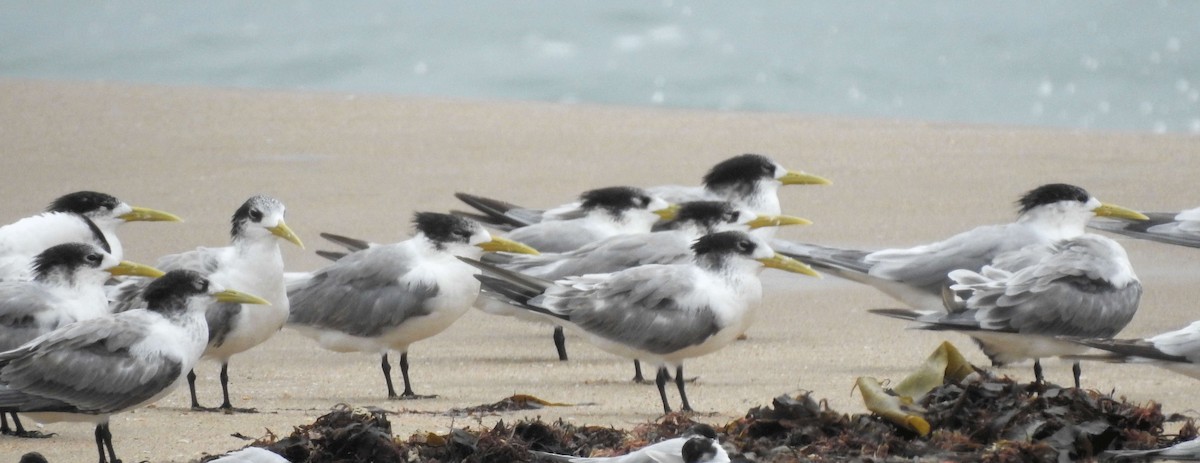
(361, 165)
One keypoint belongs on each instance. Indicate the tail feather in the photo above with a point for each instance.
(824, 257)
(1141, 229)
(332, 255)
(514, 287)
(496, 209)
(1121, 350)
(351, 244)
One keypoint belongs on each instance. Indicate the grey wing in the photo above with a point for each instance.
(928, 265)
(1165, 227)
(1067, 294)
(639, 307)
(220, 317)
(553, 236)
(363, 294)
(26, 312)
(126, 295)
(615, 254)
(86, 367)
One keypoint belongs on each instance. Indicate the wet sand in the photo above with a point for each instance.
(361, 165)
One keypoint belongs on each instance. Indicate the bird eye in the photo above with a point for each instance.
(201, 285)
(94, 258)
(732, 217)
(745, 246)
(256, 215)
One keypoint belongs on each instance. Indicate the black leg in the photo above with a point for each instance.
(387, 376)
(661, 381)
(408, 392)
(4, 423)
(679, 384)
(637, 372)
(19, 429)
(225, 405)
(191, 377)
(1075, 370)
(103, 442)
(560, 343)
(1037, 373)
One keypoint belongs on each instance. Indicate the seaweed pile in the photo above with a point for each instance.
(979, 419)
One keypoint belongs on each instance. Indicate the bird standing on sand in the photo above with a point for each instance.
(1083, 287)
(90, 370)
(658, 313)
(253, 263)
(67, 286)
(917, 275)
(386, 297)
(73, 218)
(670, 245)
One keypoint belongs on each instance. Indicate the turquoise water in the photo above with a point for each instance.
(1132, 66)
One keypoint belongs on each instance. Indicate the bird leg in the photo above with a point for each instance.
(1038, 380)
(227, 406)
(560, 343)
(1077, 372)
(191, 378)
(104, 441)
(661, 381)
(387, 376)
(637, 372)
(408, 392)
(20, 430)
(679, 382)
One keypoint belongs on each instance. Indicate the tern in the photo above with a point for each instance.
(252, 263)
(388, 296)
(601, 213)
(67, 286)
(1178, 350)
(749, 181)
(917, 275)
(76, 217)
(1083, 287)
(658, 313)
(92, 369)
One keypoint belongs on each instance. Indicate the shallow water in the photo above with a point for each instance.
(1066, 63)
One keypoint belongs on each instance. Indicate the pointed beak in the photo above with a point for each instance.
(669, 212)
(239, 297)
(142, 214)
(286, 233)
(776, 221)
(134, 269)
(802, 178)
(498, 244)
(1118, 212)
(789, 264)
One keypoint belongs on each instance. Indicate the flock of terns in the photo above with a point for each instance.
(656, 275)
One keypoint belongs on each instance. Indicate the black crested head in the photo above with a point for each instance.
(84, 202)
(734, 242)
(615, 199)
(696, 449)
(706, 214)
(67, 256)
(444, 228)
(170, 292)
(253, 210)
(1050, 194)
(743, 170)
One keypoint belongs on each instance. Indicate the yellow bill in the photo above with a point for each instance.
(142, 214)
(789, 264)
(498, 244)
(134, 269)
(239, 297)
(1118, 212)
(286, 233)
(776, 221)
(803, 178)
(669, 212)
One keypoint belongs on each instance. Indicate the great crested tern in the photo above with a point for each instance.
(1082, 286)
(601, 213)
(698, 445)
(253, 263)
(90, 370)
(917, 275)
(60, 223)
(388, 296)
(750, 181)
(658, 313)
(1181, 228)
(67, 286)
(670, 245)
